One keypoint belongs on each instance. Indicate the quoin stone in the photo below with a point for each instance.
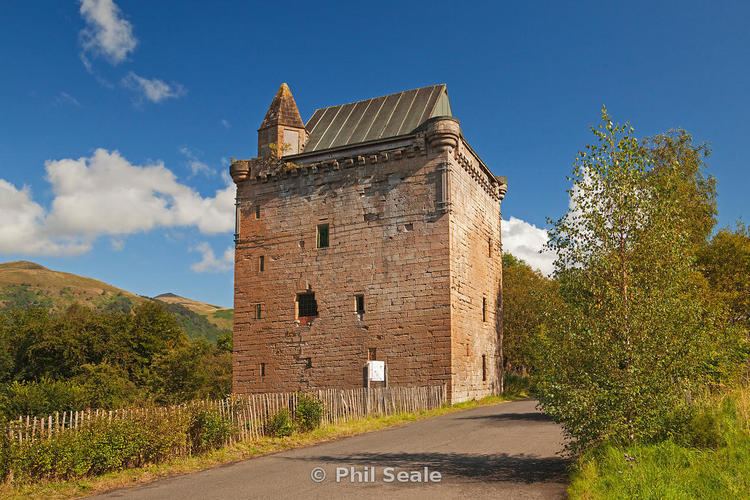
(371, 232)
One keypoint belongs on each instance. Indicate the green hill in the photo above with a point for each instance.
(219, 316)
(24, 284)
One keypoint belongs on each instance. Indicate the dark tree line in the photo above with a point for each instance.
(104, 358)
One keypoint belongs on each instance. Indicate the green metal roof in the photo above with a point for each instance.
(376, 118)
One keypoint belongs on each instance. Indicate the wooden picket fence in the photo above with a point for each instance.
(247, 413)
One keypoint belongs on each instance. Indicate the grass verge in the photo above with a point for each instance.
(226, 455)
(711, 459)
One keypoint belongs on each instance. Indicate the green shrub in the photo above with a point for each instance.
(309, 412)
(207, 431)
(280, 424)
(41, 398)
(4, 451)
(99, 448)
(516, 385)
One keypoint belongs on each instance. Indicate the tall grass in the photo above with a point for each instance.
(709, 459)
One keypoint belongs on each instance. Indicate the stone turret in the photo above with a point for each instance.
(282, 128)
(443, 133)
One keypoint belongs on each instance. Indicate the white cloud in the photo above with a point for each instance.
(225, 123)
(22, 226)
(65, 98)
(196, 166)
(209, 263)
(154, 90)
(526, 242)
(106, 195)
(106, 33)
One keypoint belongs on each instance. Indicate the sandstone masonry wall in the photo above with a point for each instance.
(388, 241)
(476, 281)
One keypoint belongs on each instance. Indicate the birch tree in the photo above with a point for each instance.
(630, 339)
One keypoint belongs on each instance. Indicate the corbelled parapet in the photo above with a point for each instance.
(442, 133)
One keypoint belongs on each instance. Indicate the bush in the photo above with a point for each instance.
(207, 431)
(97, 449)
(281, 424)
(516, 385)
(40, 398)
(309, 412)
(4, 451)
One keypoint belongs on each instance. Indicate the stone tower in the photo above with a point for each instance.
(377, 237)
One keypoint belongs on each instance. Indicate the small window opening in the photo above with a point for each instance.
(359, 304)
(484, 309)
(489, 246)
(467, 350)
(257, 211)
(261, 263)
(372, 354)
(484, 367)
(323, 235)
(308, 362)
(262, 370)
(307, 307)
(258, 311)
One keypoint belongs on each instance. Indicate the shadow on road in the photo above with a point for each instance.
(531, 416)
(498, 467)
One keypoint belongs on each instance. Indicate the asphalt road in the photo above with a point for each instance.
(508, 450)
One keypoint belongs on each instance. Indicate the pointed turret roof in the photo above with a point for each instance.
(283, 110)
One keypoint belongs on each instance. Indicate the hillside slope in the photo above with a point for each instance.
(24, 284)
(219, 316)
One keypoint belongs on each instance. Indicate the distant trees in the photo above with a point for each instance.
(83, 357)
(530, 301)
(725, 262)
(637, 328)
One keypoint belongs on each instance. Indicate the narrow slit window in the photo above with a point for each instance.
(372, 354)
(484, 367)
(323, 235)
(359, 304)
(262, 370)
(258, 311)
(261, 263)
(484, 309)
(257, 211)
(308, 362)
(307, 307)
(489, 246)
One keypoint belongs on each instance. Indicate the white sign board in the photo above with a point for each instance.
(376, 371)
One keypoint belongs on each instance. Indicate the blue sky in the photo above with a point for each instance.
(100, 102)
